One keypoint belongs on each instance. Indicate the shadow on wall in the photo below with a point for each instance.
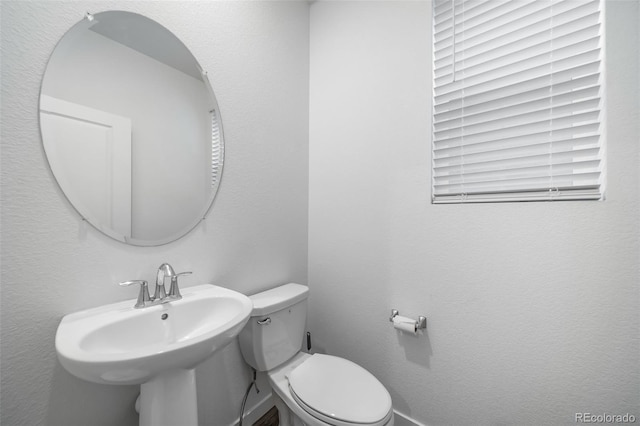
(75, 402)
(417, 348)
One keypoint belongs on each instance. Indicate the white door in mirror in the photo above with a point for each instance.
(90, 154)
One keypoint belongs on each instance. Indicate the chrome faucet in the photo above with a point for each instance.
(165, 270)
(160, 294)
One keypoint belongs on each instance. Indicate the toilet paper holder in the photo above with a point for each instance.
(421, 322)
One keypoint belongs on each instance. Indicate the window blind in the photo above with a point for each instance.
(216, 150)
(517, 111)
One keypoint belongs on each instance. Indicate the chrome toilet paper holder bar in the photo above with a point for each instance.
(421, 322)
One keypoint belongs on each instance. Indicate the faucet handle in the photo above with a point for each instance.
(143, 295)
(174, 291)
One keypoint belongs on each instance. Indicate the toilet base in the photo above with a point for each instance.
(285, 416)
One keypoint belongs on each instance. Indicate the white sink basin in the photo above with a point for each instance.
(157, 347)
(117, 344)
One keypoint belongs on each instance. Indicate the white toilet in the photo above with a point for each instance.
(312, 390)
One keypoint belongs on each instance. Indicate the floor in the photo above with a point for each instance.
(269, 419)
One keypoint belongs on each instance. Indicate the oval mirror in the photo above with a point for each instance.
(131, 128)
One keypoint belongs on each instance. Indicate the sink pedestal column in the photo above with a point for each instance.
(169, 399)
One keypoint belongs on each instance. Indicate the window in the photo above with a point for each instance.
(517, 111)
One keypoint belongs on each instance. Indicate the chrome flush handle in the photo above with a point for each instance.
(265, 321)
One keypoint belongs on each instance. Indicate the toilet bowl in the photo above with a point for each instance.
(312, 390)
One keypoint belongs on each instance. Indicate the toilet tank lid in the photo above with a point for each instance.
(275, 299)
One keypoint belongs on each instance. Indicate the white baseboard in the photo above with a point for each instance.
(400, 419)
(253, 413)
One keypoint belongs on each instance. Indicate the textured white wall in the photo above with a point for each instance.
(256, 54)
(532, 307)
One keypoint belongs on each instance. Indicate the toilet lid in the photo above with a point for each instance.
(340, 389)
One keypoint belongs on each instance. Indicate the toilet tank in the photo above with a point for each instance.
(275, 331)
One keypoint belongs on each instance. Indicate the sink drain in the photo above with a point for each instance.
(164, 316)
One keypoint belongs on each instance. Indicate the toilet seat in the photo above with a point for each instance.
(339, 392)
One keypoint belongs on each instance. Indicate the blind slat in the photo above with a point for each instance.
(584, 98)
(586, 86)
(520, 158)
(522, 70)
(541, 170)
(488, 92)
(576, 133)
(550, 194)
(533, 17)
(528, 183)
(519, 55)
(583, 27)
(548, 125)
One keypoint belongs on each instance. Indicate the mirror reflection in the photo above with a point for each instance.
(131, 128)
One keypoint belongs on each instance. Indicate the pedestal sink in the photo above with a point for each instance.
(157, 347)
